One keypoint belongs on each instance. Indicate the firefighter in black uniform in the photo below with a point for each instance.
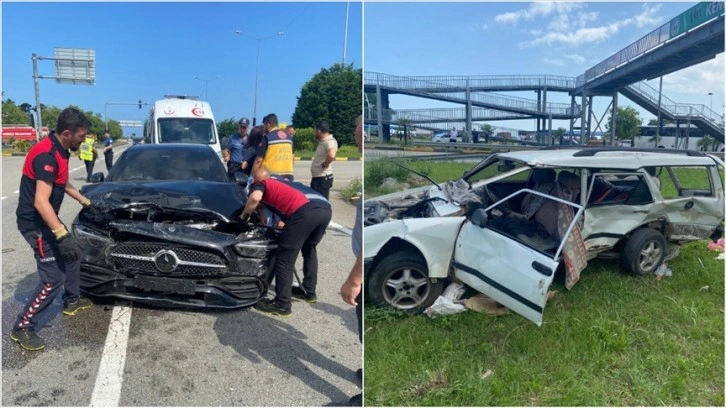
(42, 187)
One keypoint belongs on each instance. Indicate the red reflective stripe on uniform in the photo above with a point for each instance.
(40, 246)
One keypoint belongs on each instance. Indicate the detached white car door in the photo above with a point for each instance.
(505, 268)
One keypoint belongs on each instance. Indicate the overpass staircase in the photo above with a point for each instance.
(701, 116)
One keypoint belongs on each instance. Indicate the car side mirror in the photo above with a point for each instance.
(97, 178)
(480, 218)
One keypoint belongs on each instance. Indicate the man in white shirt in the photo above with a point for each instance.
(320, 168)
(453, 135)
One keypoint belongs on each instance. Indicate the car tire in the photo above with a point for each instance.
(644, 252)
(404, 273)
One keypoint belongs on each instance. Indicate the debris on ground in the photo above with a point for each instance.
(486, 374)
(663, 270)
(454, 291)
(484, 304)
(443, 306)
(716, 246)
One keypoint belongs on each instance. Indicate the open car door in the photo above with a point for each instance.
(515, 272)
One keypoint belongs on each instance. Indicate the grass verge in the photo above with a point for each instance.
(612, 340)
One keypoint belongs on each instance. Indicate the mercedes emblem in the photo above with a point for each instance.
(166, 261)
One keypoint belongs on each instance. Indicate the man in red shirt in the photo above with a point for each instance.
(42, 187)
(305, 215)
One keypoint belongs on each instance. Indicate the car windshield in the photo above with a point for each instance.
(168, 164)
(184, 130)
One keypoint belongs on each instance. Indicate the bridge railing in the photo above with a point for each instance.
(502, 81)
(674, 108)
(691, 18)
(441, 114)
(697, 111)
(424, 87)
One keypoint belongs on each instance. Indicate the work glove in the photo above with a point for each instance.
(67, 245)
(88, 205)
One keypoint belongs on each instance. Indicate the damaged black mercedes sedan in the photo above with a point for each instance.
(164, 230)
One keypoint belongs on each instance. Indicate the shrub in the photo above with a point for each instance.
(22, 146)
(304, 139)
(378, 170)
(352, 190)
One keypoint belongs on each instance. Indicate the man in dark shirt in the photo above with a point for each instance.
(305, 215)
(42, 187)
(108, 150)
(235, 149)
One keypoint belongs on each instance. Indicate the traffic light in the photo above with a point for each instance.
(139, 104)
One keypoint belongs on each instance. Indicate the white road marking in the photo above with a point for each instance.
(107, 391)
(3, 198)
(16, 191)
(78, 168)
(344, 230)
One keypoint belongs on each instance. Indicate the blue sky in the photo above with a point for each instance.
(523, 38)
(147, 50)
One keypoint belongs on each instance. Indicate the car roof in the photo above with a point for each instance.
(622, 158)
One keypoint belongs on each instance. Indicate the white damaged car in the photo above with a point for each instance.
(516, 218)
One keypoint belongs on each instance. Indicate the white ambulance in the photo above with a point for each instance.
(182, 119)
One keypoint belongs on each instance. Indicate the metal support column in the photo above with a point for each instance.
(583, 113)
(572, 116)
(379, 114)
(468, 108)
(39, 122)
(688, 133)
(613, 117)
(589, 116)
(539, 108)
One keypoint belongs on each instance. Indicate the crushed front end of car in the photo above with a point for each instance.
(167, 247)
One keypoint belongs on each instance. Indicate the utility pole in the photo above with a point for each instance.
(345, 35)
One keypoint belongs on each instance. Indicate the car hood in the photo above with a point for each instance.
(226, 200)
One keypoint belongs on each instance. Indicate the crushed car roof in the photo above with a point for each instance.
(627, 158)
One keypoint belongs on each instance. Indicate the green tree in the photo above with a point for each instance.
(228, 127)
(558, 133)
(405, 123)
(654, 122)
(334, 95)
(12, 114)
(627, 123)
(49, 115)
(487, 130)
(706, 142)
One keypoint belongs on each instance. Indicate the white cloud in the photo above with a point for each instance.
(537, 9)
(560, 23)
(576, 58)
(647, 17)
(554, 61)
(572, 29)
(485, 27)
(577, 37)
(698, 79)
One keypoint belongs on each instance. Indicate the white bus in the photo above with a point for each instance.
(672, 137)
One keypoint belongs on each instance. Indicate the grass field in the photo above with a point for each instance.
(612, 340)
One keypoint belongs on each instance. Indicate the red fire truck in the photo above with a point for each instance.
(21, 132)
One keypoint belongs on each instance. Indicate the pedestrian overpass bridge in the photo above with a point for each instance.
(695, 36)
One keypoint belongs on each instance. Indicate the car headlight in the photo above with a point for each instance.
(253, 248)
(91, 237)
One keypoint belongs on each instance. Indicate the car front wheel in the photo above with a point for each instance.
(644, 251)
(401, 280)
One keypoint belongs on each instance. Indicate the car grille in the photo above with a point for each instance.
(140, 257)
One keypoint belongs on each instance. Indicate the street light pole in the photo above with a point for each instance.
(257, 73)
(206, 85)
(710, 94)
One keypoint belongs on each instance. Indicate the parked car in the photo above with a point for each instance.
(164, 230)
(516, 218)
(444, 137)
